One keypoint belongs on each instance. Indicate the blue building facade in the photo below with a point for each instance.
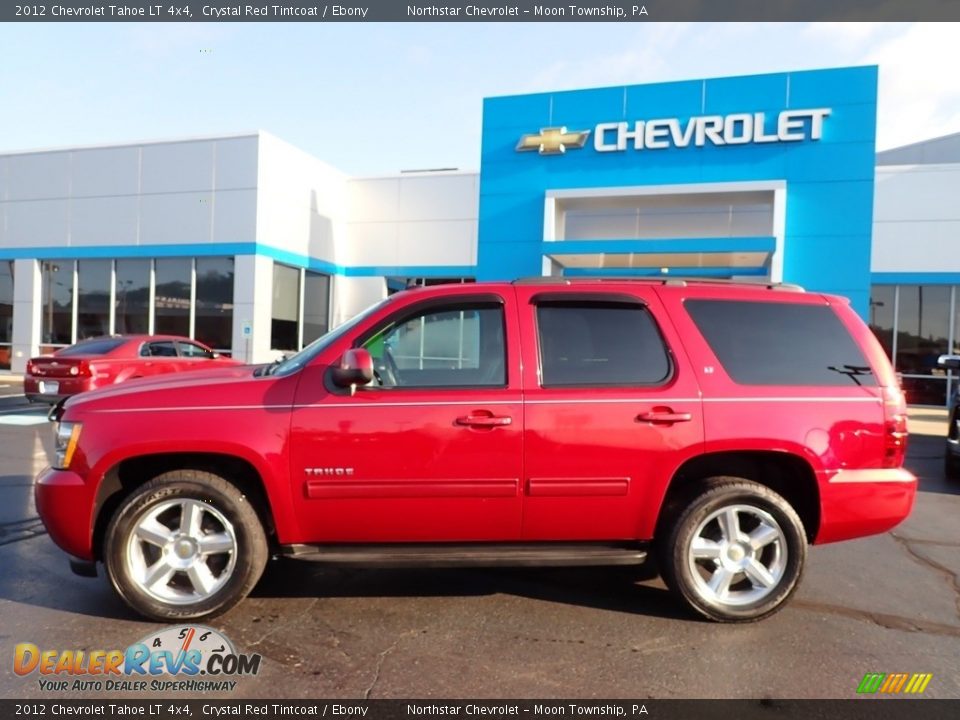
(759, 176)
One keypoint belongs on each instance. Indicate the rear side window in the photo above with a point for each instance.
(93, 347)
(159, 349)
(765, 343)
(599, 343)
(191, 350)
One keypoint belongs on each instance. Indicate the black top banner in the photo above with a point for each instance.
(481, 11)
(164, 709)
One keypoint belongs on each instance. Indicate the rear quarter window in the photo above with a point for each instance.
(777, 343)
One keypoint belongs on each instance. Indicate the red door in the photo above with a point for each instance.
(611, 410)
(431, 450)
(158, 357)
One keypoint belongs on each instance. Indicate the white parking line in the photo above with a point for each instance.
(23, 420)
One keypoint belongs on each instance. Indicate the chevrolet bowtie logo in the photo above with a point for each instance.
(553, 141)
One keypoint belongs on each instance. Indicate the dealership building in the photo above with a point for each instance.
(256, 248)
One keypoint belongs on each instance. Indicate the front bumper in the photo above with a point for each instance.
(856, 503)
(65, 504)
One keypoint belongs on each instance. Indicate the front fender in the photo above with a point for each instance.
(257, 438)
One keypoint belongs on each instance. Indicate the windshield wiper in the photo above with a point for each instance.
(269, 369)
(272, 367)
(852, 371)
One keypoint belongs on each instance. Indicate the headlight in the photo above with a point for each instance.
(65, 440)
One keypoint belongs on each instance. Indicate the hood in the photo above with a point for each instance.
(203, 385)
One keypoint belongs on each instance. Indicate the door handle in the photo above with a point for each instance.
(484, 421)
(664, 416)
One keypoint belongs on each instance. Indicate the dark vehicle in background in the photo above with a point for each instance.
(102, 361)
(951, 457)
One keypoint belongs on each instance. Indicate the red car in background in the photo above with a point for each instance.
(104, 361)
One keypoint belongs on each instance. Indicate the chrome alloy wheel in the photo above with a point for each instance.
(181, 551)
(738, 556)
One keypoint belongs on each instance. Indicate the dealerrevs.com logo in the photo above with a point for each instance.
(190, 658)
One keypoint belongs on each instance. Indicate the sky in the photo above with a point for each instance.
(377, 98)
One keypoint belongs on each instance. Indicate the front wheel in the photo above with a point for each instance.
(736, 552)
(185, 545)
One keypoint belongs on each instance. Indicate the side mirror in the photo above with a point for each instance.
(356, 368)
(951, 362)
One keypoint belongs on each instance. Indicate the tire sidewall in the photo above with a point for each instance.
(698, 511)
(234, 507)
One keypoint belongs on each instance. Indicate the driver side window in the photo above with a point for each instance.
(450, 346)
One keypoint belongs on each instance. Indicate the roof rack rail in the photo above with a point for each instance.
(542, 280)
(784, 286)
(676, 281)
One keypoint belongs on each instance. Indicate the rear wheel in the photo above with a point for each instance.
(736, 552)
(185, 545)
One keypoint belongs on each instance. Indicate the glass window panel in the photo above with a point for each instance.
(955, 350)
(284, 330)
(923, 325)
(450, 347)
(164, 348)
(881, 315)
(172, 296)
(214, 306)
(929, 390)
(100, 346)
(57, 299)
(599, 343)
(192, 350)
(93, 298)
(6, 312)
(132, 297)
(316, 306)
(777, 343)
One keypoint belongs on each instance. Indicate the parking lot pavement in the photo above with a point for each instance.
(11, 392)
(885, 604)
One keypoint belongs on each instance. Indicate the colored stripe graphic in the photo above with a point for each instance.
(918, 683)
(871, 682)
(894, 683)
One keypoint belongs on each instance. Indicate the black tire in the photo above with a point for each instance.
(213, 494)
(951, 466)
(678, 568)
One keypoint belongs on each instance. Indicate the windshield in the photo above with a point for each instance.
(295, 362)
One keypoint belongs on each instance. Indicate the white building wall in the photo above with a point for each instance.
(352, 295)
(916, 219)
(26, 313)
(192, 191)
(301, 206)
(183, 192)
(416, 219)
(252, 295)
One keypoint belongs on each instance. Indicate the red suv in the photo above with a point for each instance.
(716, 428)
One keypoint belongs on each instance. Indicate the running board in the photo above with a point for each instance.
(470, 554)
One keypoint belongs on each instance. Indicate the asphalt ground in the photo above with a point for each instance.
(889, 603)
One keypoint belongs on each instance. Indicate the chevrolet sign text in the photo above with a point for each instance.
(733, 129)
